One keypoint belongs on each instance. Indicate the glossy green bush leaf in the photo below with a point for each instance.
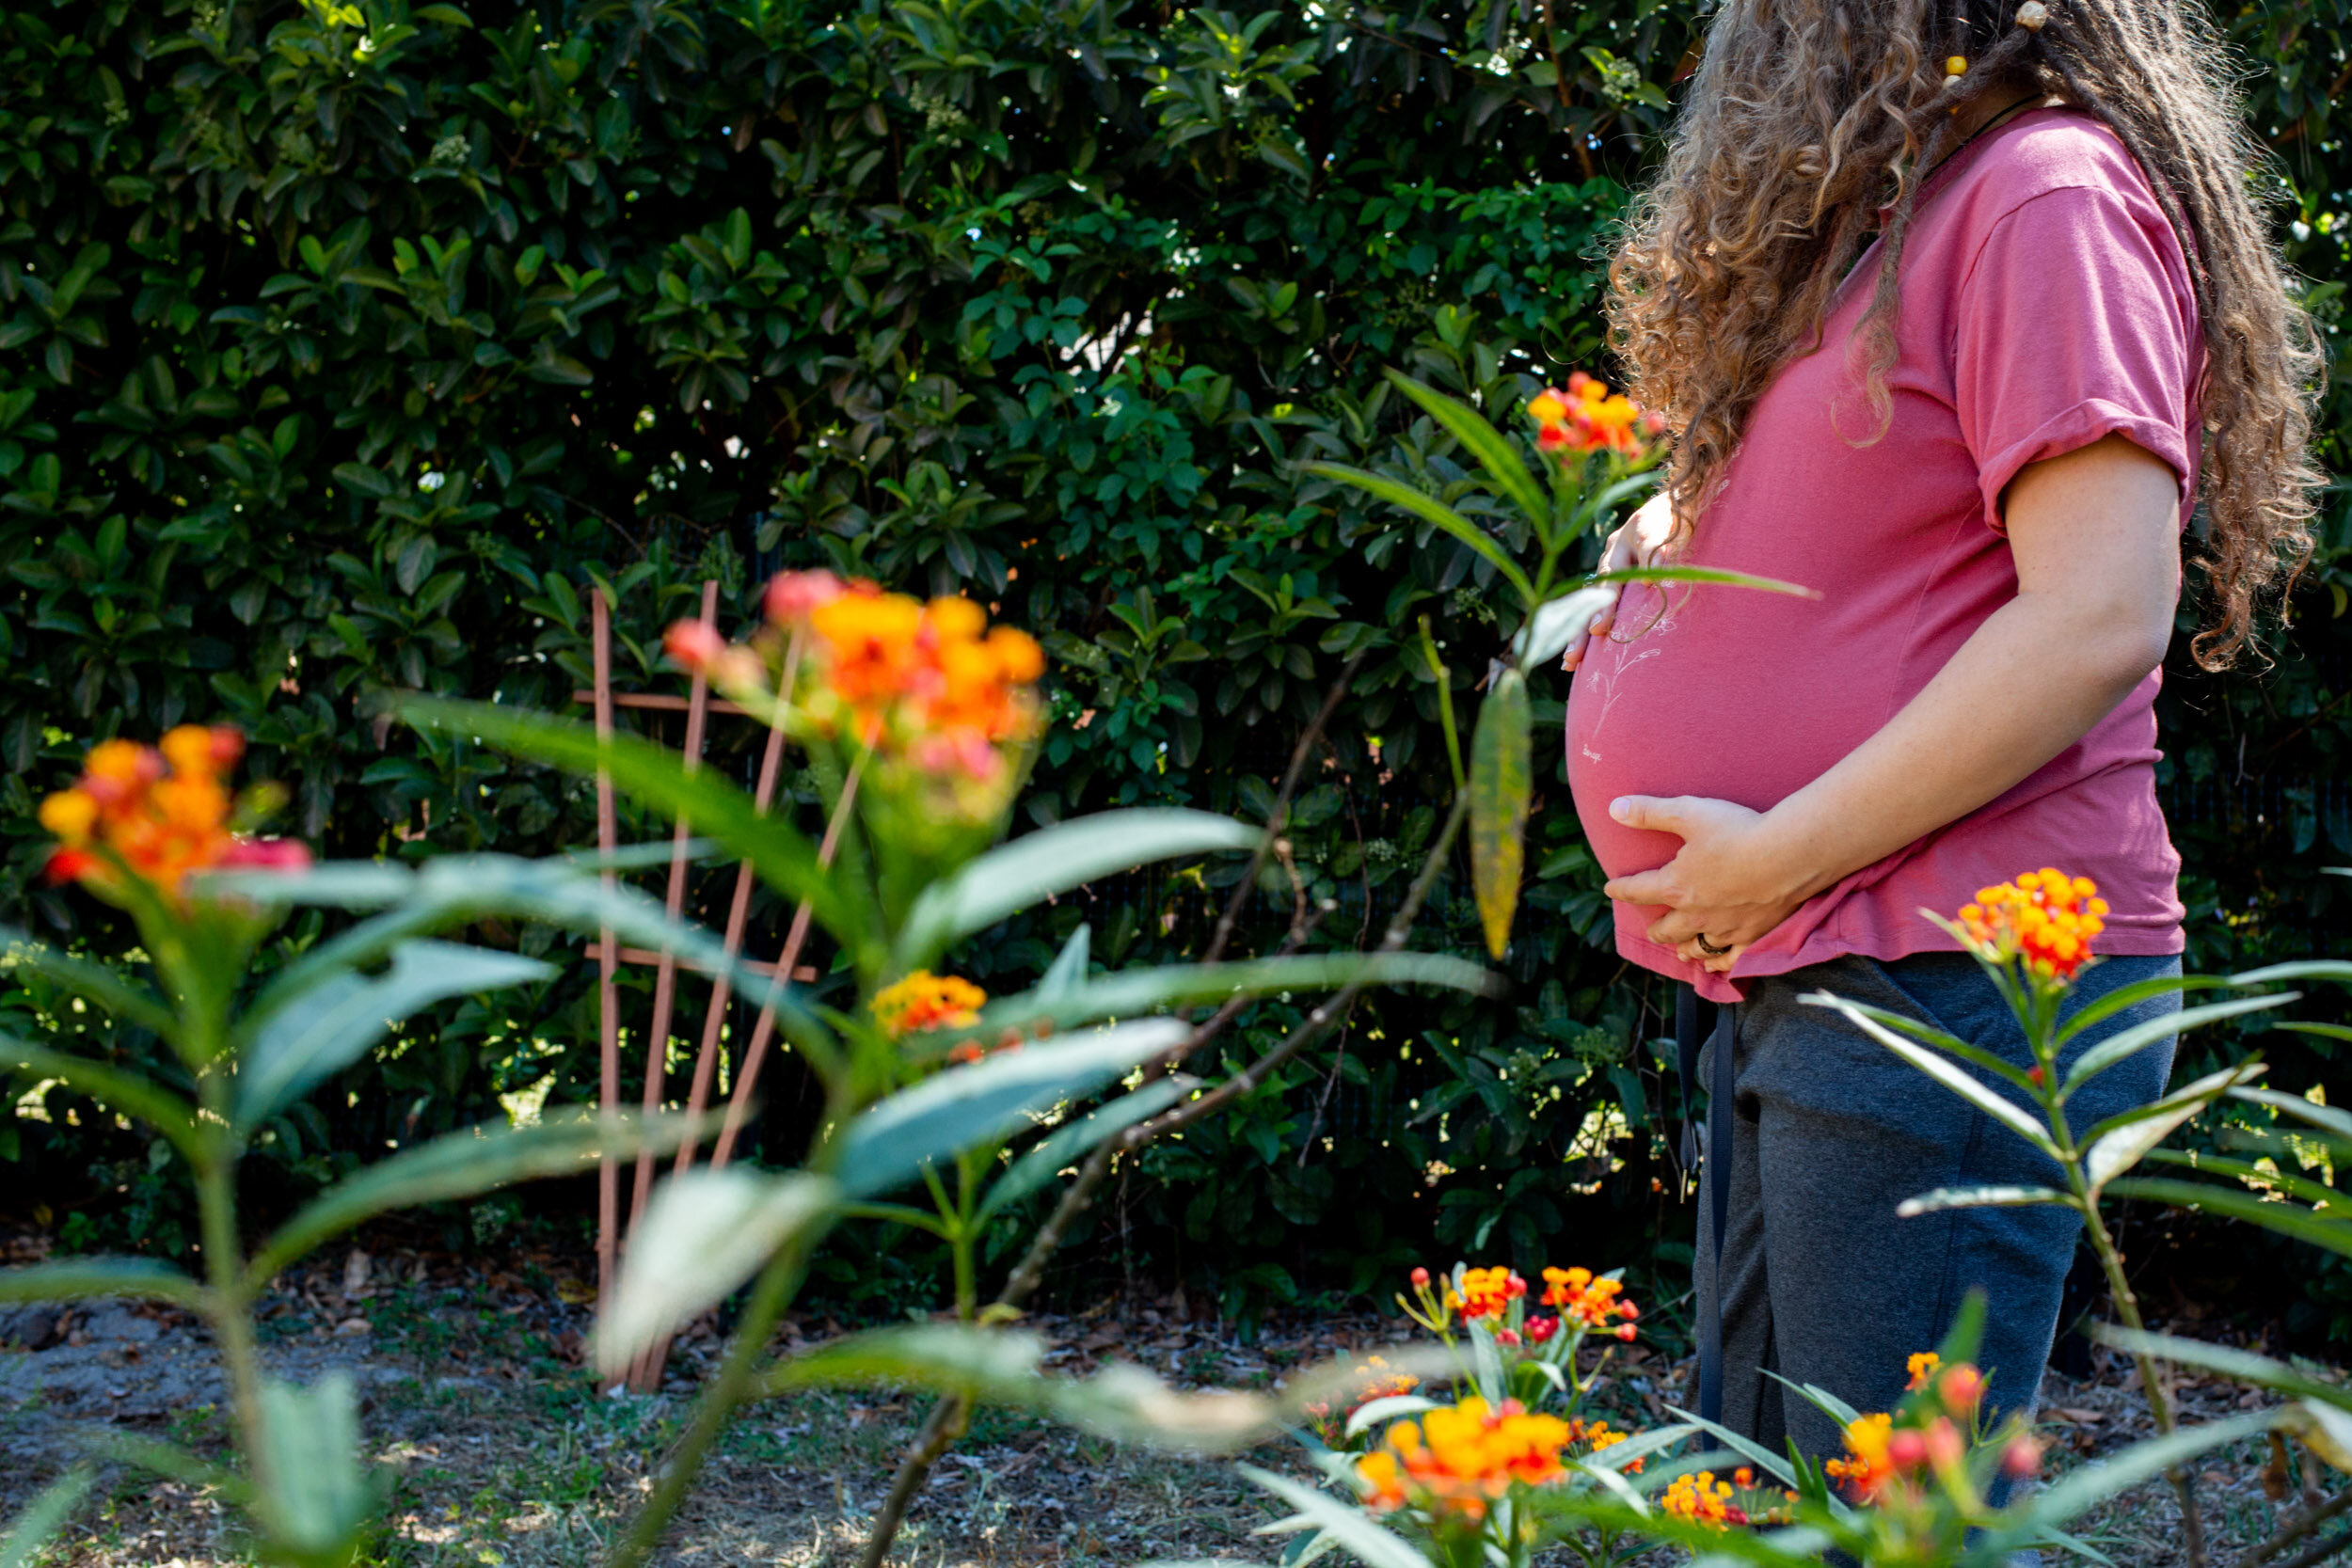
(1487, 444)
(1501, 777)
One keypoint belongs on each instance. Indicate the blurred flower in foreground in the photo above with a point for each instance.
(158, 813)
(926, 1001)
(1457, 1461)
(1375, 1379)
(2045, 918)
(1703, 1499)
(929, 688)
(1586, 416)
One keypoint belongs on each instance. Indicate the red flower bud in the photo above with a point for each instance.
(1507, 1338)
(793, 596)
(2035, 1076)
(1541, 1329)
(1421, 1279)
(2022, 1458)
(1959, 1388)
(1513, 1288)
(1906, 1451)
(1945, 1443)
(692, 646)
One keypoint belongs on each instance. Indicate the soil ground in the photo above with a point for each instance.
(497, 1448)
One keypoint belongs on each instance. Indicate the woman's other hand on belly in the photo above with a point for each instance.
(1726, 887)
(1646, 539)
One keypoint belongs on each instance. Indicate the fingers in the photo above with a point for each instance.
(1643, 887)
(1668, 814)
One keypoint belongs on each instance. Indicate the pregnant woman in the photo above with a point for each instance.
(1961, 316)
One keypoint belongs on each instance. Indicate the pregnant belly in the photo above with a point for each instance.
(1665, 714)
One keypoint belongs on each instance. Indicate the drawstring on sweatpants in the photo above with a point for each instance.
(1718, 1174)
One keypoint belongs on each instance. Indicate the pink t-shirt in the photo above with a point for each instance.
(2045, 303)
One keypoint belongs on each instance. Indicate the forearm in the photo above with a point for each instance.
(1996, 713)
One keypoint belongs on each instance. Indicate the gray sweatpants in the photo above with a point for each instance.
(1822, 1282)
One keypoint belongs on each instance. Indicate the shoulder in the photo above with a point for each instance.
(2047, 152)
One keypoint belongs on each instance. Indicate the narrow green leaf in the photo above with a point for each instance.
(2239, 1366)
(2325, 1118)
(1430, 510)
(318, 1498)
(77, 1279)
(2079, 1490)
(1775, 1465)
(2193, 1096)
(1501, 776)
(1494, 454)
(1027, 870)
(2005, 1111)
(2116, 1149)
(658, 777)
(460, 1165)
(2258, 1179)
(2338, 970)
(41, 1518)
(1714, 575)
(2116, 1048)
(1978, 1198)
(2099, 1010)
(706, 1232)
(968, 1106)
(1356, 1531)
(334, 1024)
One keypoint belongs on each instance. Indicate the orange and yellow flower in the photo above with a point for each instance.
(2045, 918)
(158, 813)
(1589, 1302)
(926, 1001)
(1486, 1293)
(1866, 1469)
(1703, 1500)
(1455, 1462)
(931, 684)
(1587, 418)
(1921, 1367)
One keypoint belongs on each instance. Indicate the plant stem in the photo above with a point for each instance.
(2305, 1524)
(771, 1295)
(228, 1300)
(2159, 1406)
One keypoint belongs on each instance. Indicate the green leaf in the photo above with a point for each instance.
(1705, 575)
(2116, 1048)
(1978, 1198)
(1027, 870)
(1494, 454)
(2288, 1219)
(459, 1165)
(1356, 1531)
(130, 1002)
(986, 1101)
(2119, 1148)
(77, 1278)
(317, 1498)
(2096, 1012)
(1756, 1453)
(704, 1232)
(1501, 777)
(1551, 628)
(41, 1518)
(2239, 1366)
(1129, 993)
(2338, 970)
(656, 777)
(117, 1088)
(1430, 510)
(1075, 1138)
(1067, 974)
(333, 1026)
(2325, 1118)
(2001, 1109)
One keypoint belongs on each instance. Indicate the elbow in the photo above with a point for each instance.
(2124, 642)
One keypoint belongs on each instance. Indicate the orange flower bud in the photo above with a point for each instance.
(1959, 1388)
(693, 645)
(1906, 1451)
(2022, 1458)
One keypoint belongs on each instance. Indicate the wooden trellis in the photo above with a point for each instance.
(612, 1240)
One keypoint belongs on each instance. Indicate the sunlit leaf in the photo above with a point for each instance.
(117, 1088)
(1978, 1198)
(1946, 1072)
(2129, 1042)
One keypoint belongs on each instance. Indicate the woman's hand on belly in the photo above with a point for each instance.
(1728, 886)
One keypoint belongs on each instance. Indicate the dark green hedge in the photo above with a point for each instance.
(345, 346)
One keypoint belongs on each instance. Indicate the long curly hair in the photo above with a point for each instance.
(1809, 119)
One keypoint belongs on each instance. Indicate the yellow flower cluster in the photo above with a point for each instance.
(1921, 1367)
(926, 1001)
(1866, 1469)
(1455, 1462)
(2044, 917)
(1486, 1293)
(1589, 1302)
(157, 813)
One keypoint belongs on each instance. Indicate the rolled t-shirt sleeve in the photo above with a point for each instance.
(2074, 323)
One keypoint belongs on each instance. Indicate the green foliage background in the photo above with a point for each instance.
(344, 347)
